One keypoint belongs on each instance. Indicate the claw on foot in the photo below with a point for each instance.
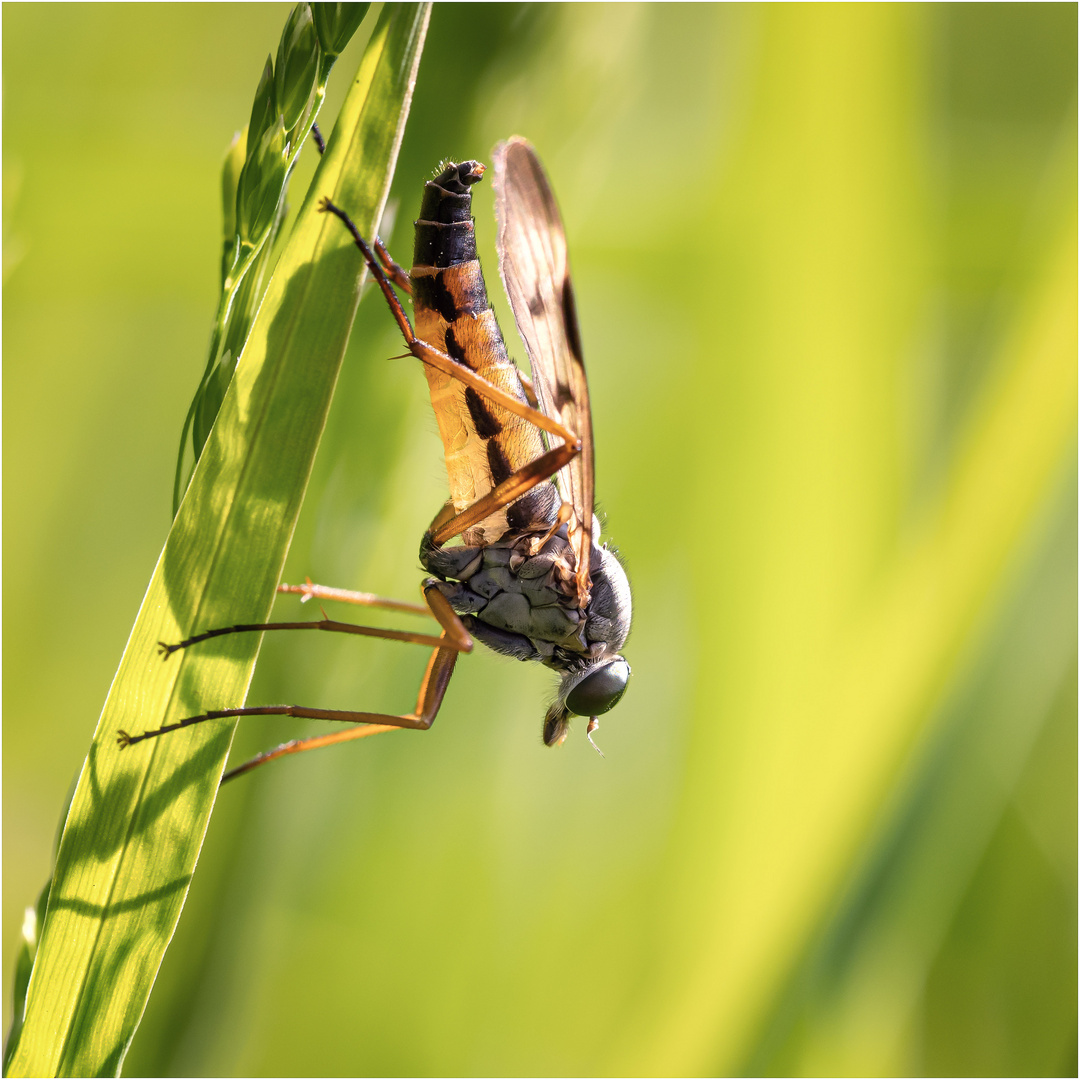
(305, 591)
(123, 739)
(166, 649)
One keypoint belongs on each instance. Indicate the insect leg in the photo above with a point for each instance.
(309, 590)
(432, 690)
(565, 515)
(398, 274)
(330, 625)
(437, 607)
(327, 207)
(455, 639)
(530, 390)
(513, 487)
(428, 354)
(524, 479)
(437, 359)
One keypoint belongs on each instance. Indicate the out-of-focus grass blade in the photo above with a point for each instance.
(874, 975)
(932, 608)
(137, 819)
(840, 648)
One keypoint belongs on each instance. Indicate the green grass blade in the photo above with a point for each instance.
(832, 673)
(296, 87)
(137, 820)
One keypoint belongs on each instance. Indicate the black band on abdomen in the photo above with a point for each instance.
(444, 245)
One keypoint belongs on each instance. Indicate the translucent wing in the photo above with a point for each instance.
(535, 273)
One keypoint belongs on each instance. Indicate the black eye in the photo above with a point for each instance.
(600, 690)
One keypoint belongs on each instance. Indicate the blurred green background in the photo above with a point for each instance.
(826, 266)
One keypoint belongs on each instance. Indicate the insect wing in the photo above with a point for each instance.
(535, 273)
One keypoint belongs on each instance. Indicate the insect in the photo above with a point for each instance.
(529, 578)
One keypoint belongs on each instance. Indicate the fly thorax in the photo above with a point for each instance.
(525, 597)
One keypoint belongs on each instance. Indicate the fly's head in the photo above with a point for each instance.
(590, 691)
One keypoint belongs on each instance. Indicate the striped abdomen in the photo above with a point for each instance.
(483, 442)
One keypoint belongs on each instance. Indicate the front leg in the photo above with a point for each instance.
(432, 691)
(454, 639)
(310, 591)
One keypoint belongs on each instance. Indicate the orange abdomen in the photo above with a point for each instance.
(483, 443)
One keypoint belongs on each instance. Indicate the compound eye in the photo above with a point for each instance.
(600, 690)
